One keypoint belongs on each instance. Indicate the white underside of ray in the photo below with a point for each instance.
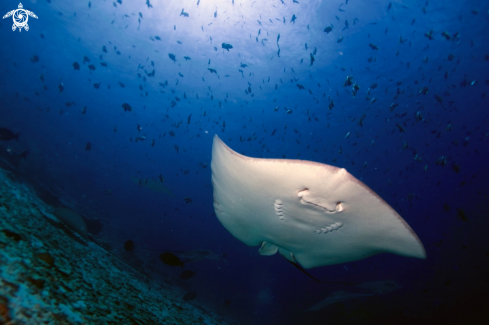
(314, 214)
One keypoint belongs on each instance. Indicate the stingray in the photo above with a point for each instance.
(312, 213)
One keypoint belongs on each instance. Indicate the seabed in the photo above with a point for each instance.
(48, 277)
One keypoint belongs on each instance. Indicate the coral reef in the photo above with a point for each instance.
(47, 277)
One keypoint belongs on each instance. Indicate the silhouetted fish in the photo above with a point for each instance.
(189, 296)
(171, 259)
(7, 135)
(227, 46)
(185, 275)
(126, 107)
(129, 245)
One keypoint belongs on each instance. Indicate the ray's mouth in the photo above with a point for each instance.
(302, 194)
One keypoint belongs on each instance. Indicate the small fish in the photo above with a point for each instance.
(91, 67)
(293, 19)
(183, 13)
(88, 146)
(328, 29)
(401, 129)
(429, 35)
(456, 167)
(185, 275)
(226, 46)
(172, 57)
(446, 36)
(212, 70)
(129, 245)
(461, 215)
(171, 259)
(158, 38)
(340, 40)
(187, 58)
(300, 86)
(374, 47)
(312, 60)
(127, 107)
(189, 296)
(76, 66)
(7, 135)
(441, 161)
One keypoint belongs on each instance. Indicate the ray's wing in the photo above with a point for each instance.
(8, 14)
(30, 13)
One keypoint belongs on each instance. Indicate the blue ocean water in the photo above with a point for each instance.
(117, 104)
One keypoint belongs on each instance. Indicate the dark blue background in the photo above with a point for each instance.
(451, 282)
